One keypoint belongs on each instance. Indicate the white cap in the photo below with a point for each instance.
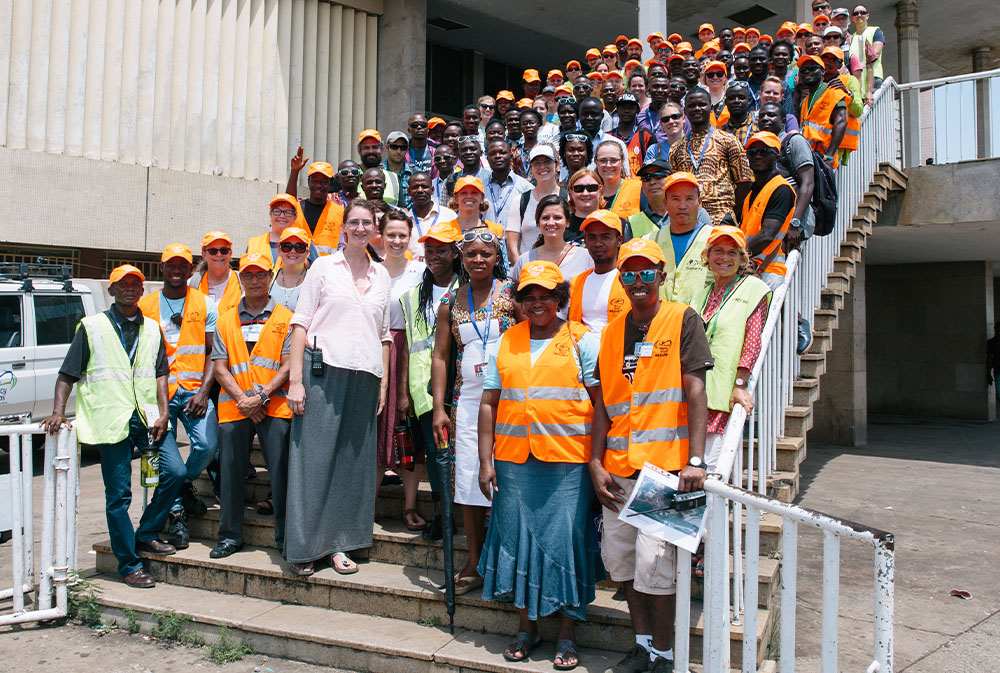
(833, 30)
(541, 150)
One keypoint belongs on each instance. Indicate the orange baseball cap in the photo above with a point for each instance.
(681, 177)
(641, 247)
(120, 272)
(524, 103)
(610, 49)
(754, 31)
(706, 26)
(632, 63)
(469, 181)
(684, 47)
(741, 48)
(605, 217)
(614, 74)
(175, 250)
(804, 28)
(541, 273)
(593, 51)
(555, 72)
(836, 52)
(575, 65)
(806, 59)
(531, 75)
(674, 57)
(437, 121)
(505, 95)
(739, 30)
(255, 260)
(621, 38)
(444, 232)
(369, 133)
(564, 89)
(284, 198)
(727, 231)
(321, 167)
(595, 76)
(698, 54)
(675, 38)
(766, 38)
(635, 41)
(295, 232)
(710, 45)
(715, 65)
(215, 236)
(765, 138)
(649, 38)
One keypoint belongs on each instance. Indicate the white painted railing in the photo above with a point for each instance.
(57, 553)
(730, 595)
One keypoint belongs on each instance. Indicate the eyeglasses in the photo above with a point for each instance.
(297, 247)
(671, 118)
(282, 212)
(859, 12)
(247, 276)
(350, 172)
(582, 137)
(580, 189)
(609, 161)
(760, 151)
(649, 177)
(715, 73)
(218, 251)
(357, 224)
(484, 236)
(401, 147)
(418, 125)
(646, 276)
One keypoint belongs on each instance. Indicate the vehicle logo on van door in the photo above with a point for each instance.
(7, 382)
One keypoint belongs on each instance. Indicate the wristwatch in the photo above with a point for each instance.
(696, 461)
(795, 223)
(742, 383)
(263, 397)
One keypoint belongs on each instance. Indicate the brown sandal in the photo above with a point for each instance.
(303, 569)
(407, 518)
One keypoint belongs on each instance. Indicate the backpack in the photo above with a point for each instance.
(824, 196)
(525, 197)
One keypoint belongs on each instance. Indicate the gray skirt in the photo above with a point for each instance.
(331, 465)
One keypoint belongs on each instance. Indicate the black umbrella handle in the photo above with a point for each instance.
(445, 464)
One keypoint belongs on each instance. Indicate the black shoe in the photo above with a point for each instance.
(224, 549)
(177, 530)
(192, 505)
(435, 531)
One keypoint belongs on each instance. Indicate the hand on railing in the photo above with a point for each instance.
(742, 397)
(52, 424)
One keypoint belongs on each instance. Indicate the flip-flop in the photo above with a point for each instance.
(303, 569)
(406, 520)
(471, 583)
(347, 559)
(565, 649)
(523, 644)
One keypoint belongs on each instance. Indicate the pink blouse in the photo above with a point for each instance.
(349, 326)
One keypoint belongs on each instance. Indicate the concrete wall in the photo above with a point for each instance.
(969, 186)
(927, 331)
(402, 60)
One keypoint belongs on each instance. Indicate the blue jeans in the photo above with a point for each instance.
(116, 468)
(203, 433)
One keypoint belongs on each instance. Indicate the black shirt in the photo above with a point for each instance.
(696, 355)
(75, 362)
(312, 213)
(781, 203)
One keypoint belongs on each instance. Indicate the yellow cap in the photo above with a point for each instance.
(369, 133)
(443, 232)
(215, 236)
(295, 232)
(255, 259)
(541, 273)
(606, 217)
(764, 138)
(284, 198)
(727, 231)
(175, 250)
(681, 177)
(321, 167)
(469, 181)
(120, 272)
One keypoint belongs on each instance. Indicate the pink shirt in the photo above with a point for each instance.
(350, 327)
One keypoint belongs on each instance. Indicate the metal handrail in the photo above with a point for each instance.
(954, 79)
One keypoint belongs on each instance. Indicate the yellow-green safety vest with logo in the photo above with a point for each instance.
(112, 388)
(420, 342)
(684, 282)
(725, 332)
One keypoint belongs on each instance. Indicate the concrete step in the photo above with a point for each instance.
(877, 190)
(838, 281)
(872, 203)
(825, 319)
(864, 222)
(855, 236)
(896, 177)
(812, 365)
(831, 299)
(401, 593)
(847, 264)
(798, 421)
(805, 392)
(783, 486)
(822, 341)
(790, 451)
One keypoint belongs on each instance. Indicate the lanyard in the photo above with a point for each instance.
(121, 335)
(505, 197)
(416, 220)
(489, 315)
(714, 320)
(697, 166)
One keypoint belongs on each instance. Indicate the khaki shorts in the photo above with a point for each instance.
(629, 554)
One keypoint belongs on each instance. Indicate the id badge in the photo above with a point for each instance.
(480, 370)
(644, 349)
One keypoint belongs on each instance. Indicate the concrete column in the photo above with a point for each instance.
(478, 76)
(982, 59)
(909, 71)
(402, 62)
(652, 18)
(841, 412)
(803, 11)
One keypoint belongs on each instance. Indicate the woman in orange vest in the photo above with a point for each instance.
(621, 193)
(537, 406)
(293, 262)
(284, 212)
(216, 278)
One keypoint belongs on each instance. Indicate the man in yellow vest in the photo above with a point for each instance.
(250, 354)
(823, 115)
(187, 319)
(596, 296)
(118, 361)
(652, 408)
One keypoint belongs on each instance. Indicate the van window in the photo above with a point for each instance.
(10, 321)
(56, 317)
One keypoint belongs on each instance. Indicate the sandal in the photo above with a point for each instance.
(411, 515)
(566, 649)
(266, 506)
(523, 645)
(303, 569)
(471, 582)
(343, 569)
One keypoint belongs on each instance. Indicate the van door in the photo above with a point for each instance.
(17, 372)
(56, 318)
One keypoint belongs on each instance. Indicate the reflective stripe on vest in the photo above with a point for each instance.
(816, 121)
(649, 414)
(752, 217)
(187, 358)
(420, 343)
(544, 409)
(254, 370)
(617, 299)
(691, 277)
(112, 388)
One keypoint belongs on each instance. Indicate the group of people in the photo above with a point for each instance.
(552, 291)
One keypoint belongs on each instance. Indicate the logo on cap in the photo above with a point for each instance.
(534, 269)
(635, 245)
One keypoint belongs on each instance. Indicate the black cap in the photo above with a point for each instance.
(655, 166)
(627, 97)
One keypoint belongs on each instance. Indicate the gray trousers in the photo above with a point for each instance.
(234, 454)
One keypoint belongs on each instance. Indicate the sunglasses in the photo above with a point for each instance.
(402, 147)
(649, 177)
(297, 247)
(582, 137)
(760, 151)
(442, 158)
(714, 74)
(218, 251)
(679, 87)
(628, 277)
(859, 13)
(820, 7)
(465, 139)
(418, 125)
(486, 106)
(350, 172)
(580, 189)
(671, 118)
(484, 236)
(562, 100)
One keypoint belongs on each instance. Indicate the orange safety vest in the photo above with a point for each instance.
(262, 244)
(230, 296)
(753, 215)
(636, 148)
(649, 415)
(852, 135)
(496, 229)
(617, 300)
(816, 125)
(254, 370)
(722, 119)
(326, 238)
(544, 409)
(187, 358)
(626, 202)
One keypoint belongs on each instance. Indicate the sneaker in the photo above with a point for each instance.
(192, 505)
(635, 661)
(805, 336)
(177, 530)
(661, 665)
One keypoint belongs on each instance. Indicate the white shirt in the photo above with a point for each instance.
(525, 226)
(596, 293)
(576, 261)
(501, 197)
(436, 214)
(410, 278)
